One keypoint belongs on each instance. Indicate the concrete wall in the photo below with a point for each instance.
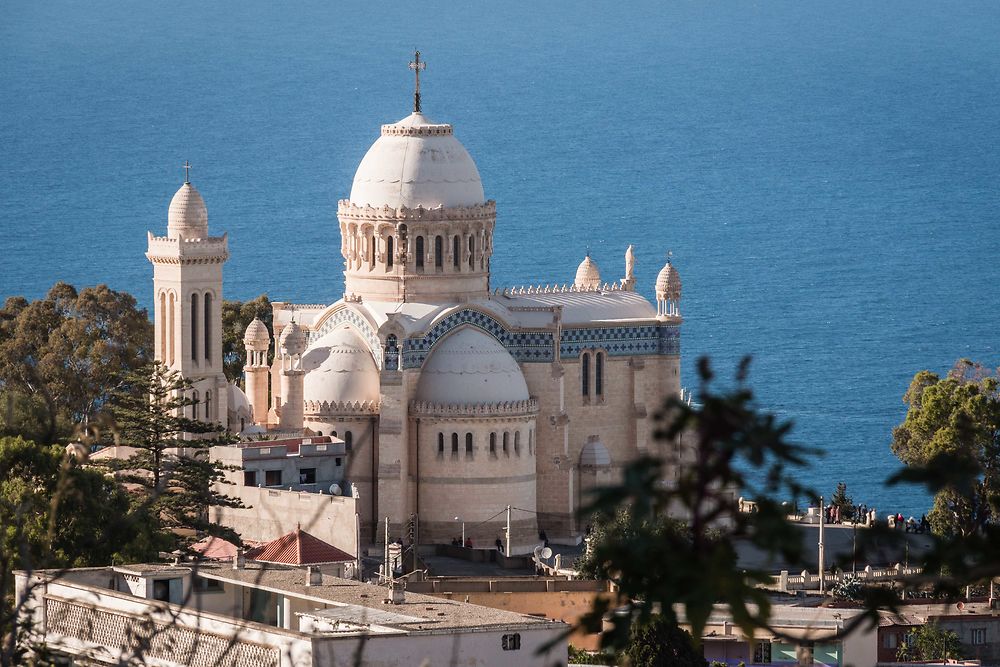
(565, 606)
(271, 513)
(475, 647)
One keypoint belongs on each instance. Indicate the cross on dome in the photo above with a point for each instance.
(417, 65)
(187, 171)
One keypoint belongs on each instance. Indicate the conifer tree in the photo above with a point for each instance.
(172, 463)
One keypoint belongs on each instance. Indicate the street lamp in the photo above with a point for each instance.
(463, 530)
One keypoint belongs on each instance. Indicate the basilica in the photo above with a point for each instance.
(454, 398)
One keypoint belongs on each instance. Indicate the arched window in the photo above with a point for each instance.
(420, 253)
(348, 440)
(163, 327)
(493, 445)
(517, 443)
(440, 444)
(438, 252)
(389, 247)
(585, 374)
(456, 251)
(170, 325)
(472, 252)
(371, 254)
(194, 405)
(468, 444)
(194, 327)
(599, 374)
(531, 441)
(208, 406)
(243, 424)
(506, 439)
(333, 433)
(208, 326)
(454, 444)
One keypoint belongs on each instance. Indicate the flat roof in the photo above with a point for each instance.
(359, 599)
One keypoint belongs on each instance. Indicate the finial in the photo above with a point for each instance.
(187, 173)
(670, 254)
(416, 65)
(588, 250)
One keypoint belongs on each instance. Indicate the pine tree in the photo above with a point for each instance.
(843, 501)
(173, 461)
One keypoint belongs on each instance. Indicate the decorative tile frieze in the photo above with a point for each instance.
(363, 327)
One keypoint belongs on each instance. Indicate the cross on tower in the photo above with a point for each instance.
(187, 171)
(416, 65)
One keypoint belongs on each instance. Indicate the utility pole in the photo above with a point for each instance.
(508, 532)
(385, 563)
(822, 564)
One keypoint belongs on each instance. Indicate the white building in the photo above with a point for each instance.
(454, 398)
(266, 616)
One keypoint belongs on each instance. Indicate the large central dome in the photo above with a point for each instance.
(417, 162)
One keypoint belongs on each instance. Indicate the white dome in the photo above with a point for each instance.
(470, 367)
(339, 367)
(187, 214)
(417, 163)
(668, 282)
(293, 339)
(256, 336)
(587, 274)
(237, 399)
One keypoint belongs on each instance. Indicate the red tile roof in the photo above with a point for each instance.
(298, 548)
(215, 548)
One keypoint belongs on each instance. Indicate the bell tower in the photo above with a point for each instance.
(187, 289)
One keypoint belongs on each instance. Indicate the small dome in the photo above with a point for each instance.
(257, 336)
(340, 367)
(594, 454)
(417, 162)
(587, 274)
(293, 339)
(238, 400)
(187, 215)
(470, 367)
(668, 283)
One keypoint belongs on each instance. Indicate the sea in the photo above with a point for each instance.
(825, 173)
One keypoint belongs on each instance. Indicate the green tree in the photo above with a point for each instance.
(930, 642)
(621, 529)
(172, 463)
(236, 317)
(956, 417)
(843, 501)
(65, 352)
(55, 513)
(658, 642)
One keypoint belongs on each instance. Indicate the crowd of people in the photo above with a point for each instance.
(868, 516)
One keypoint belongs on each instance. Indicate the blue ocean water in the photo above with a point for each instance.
(825, 173)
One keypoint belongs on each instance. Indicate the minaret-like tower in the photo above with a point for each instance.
(187, 290)
(291, 347)
(257, 341)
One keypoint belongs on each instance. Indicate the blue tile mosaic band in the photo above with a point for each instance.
(536, 346)
(364, 329)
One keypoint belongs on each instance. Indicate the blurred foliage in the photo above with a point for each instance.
(930, 642)
(658, 642)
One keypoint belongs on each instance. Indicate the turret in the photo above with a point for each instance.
(668, 292)
(291, 347)
(257, 341)
(588, 276)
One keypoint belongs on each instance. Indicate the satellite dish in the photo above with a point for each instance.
(546, 553)
(335, 489)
